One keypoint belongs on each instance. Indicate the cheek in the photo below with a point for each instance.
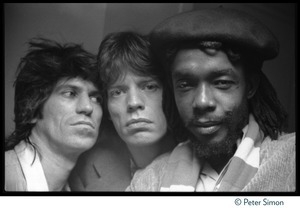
(154, 101)
(184, 105)
(157, 110)
(156, 106)
(159, 115)
(54, 111)
(163, 124)
(242, 106)
(112, 108)
(158, 102)
(115, 112)
(54, 120)
(230, 102)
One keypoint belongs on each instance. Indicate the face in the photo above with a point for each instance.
(71, 116)
(210, 96)
(135, 108)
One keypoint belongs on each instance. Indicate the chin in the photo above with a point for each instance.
(143, 140)
(83, 148)
(214, 146)
(85, 142)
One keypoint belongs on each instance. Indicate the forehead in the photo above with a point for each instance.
(130, 76)
(75, 82)
(197, 61)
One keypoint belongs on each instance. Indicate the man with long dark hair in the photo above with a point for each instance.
(232, 119)
(57, 115)
(137, 103)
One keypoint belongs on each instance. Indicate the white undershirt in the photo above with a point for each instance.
(207, 179)
(33, 171)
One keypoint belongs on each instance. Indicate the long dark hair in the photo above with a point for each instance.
(38, 72)
(267, 109)
(131, 50)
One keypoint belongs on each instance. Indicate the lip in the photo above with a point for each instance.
(88, 123)
(207, 127)
(139, 120)
(206, 123)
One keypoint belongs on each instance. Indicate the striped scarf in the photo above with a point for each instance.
(183, 167)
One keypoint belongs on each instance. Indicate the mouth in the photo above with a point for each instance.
(86, 123)
(207, 127)
(138, 122)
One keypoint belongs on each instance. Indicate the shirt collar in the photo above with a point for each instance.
(208, 171)
(32, 168)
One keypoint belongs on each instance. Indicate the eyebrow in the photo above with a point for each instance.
(142, 81)
(214, 73)
(76, 88)
(227, 71)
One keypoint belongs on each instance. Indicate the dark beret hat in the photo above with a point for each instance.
(228, 26)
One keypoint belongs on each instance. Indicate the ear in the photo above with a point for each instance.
(252, 84)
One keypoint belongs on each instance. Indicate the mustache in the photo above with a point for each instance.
(226, 118)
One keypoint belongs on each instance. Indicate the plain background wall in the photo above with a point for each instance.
(88, 23)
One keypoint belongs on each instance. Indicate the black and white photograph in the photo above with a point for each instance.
(185, 99)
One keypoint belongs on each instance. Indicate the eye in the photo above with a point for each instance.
(151, 86)
(183, 85)
(223, 84)
(115, 92)
(69, 93)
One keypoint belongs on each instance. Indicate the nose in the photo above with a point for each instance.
(204, 99)
(84, 105)
(135, 100)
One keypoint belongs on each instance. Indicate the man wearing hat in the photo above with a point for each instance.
(232, 120)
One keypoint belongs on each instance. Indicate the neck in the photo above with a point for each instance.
(219, 162)
(144, 155)
(57, 166)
